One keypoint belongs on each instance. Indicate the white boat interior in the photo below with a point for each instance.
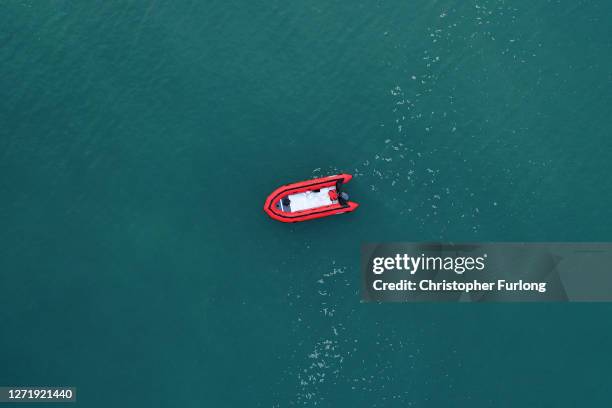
(307, 200)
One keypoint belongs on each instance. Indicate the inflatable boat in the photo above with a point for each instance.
(310, 199)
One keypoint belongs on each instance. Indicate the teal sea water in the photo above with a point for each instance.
(138, 141)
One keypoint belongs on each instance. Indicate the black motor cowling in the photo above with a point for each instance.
(343, 198)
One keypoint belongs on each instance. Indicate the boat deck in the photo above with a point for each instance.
(311, 199)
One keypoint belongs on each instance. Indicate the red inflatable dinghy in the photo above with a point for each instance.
(310, 199)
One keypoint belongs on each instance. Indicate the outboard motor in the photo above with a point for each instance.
(343, 198)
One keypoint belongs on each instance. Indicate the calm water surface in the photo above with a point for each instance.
(138, 141)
